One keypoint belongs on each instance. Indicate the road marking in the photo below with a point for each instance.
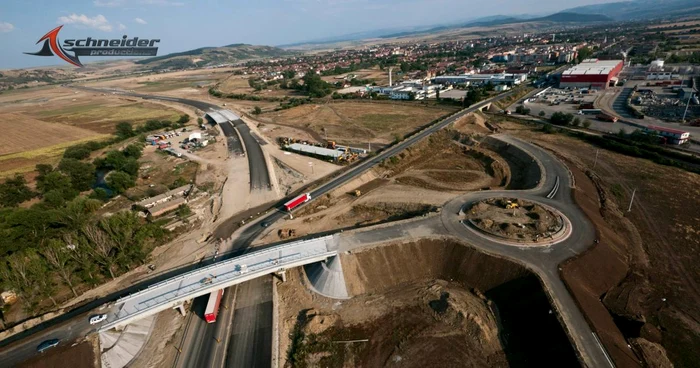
(554, 190)
(605, 352)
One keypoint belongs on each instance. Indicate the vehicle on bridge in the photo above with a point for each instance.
(213, 305)
(97, 318)
(292, 204)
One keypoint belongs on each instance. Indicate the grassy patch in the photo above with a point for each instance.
(22, 162)
(86, 114)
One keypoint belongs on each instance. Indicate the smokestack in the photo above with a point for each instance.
(390, 69)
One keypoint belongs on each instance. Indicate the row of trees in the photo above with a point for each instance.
(72, 176)
(62, 240)
(41, 249)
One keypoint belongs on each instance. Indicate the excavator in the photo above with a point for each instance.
(511, 205)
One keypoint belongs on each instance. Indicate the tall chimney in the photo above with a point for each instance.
(390, 69)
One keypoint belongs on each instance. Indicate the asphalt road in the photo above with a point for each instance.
(542, 260)
(250, 343)
(63, 327)
(259, 176)
(67, 332)
(203, 344)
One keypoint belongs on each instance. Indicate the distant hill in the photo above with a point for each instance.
(573, 17)
(205, 56)
(496, 20)
(641, 9)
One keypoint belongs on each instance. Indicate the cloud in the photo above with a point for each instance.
(97, 22)
(140, 21)
(108, 3)
(6, 27)
(121, 27)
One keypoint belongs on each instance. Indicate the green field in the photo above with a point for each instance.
(102, 118)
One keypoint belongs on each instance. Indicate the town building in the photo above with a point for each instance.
(165, 197)
(591, 73)
(168, 206)
(672, 136)
(315, 151)
(482, 79)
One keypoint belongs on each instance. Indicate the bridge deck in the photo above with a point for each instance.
(174, 291)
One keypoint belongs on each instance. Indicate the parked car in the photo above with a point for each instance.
(97, 318)
(46, 345)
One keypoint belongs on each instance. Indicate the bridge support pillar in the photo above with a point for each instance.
(282, 275)
(181, 308)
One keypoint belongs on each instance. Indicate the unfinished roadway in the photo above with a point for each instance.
(549, 182)
(259, 174)
(544, 261)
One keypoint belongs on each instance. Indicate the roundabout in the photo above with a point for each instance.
(516, 222)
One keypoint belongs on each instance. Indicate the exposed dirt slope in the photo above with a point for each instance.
(645, 270)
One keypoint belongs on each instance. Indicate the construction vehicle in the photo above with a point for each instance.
(357, 193)
(511, 205)
(286, 233)
(330, 144)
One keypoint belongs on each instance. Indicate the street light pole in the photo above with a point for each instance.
(596, 158)
(686, 106)
(631, 201)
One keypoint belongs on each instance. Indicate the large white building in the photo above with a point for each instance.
(482, 79)
(591, 73)
(406, 89)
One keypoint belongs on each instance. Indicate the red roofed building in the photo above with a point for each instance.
(591, 73)
(672, 136)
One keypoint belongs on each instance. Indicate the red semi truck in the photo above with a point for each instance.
(303, 198)
(606, 117)
(213, 305)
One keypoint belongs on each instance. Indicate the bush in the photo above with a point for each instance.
(522, 110)
(79, 152)
(99, 194)
(120, 181)
(183, 211)
(15, 191)
(125, 130)
(560, 118)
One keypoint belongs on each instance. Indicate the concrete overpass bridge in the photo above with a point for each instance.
(172, 293)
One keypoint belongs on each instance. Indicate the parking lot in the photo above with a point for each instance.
(569, 102)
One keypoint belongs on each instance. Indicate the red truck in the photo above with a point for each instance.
(605, 117)
(213, 304)
(292, 204)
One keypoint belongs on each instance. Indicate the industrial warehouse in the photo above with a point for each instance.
(591, 73)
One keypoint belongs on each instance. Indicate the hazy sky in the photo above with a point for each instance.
(187, 24)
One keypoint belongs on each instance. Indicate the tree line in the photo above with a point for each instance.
(62, 239)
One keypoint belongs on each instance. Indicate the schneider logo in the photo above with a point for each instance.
(94, 47)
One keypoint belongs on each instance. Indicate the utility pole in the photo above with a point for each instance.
(686, 106)
(596, 158)
(631, 201)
